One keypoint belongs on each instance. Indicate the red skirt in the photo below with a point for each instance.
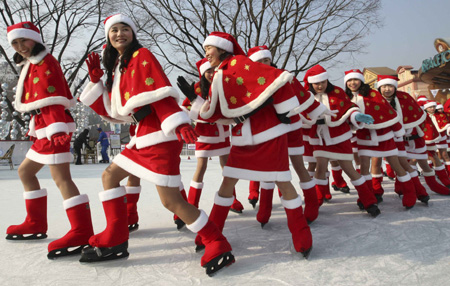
(45, 152)
(159, 164)
(295, 142)
(268, 161)
(384, 149)
(212, 149)
(340, 151)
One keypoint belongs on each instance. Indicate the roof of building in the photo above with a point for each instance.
(381, 70)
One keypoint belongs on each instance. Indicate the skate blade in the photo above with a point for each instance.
(67, 251)
(236, 211)
(33, 236)
(199, 248)
(98, 254)
(133, 227)
(216, 264)
(306, 253)
(253, 203)
(180, 224)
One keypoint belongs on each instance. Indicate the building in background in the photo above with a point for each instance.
(410, 82)
(371, 74)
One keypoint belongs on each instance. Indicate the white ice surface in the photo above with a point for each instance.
(398, 247)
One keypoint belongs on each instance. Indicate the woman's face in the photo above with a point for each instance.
(354, 84)
(265, 61)
(23, 46)
(431, 109)
(213, 54)
(387, 90)
(320, 87)
(120, 36)
(209, 74)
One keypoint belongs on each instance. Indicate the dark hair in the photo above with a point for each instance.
(223, 56)
(38, 47)
(329, 88)
(364, 90)
(392, 102)
(110, 56)
(204, 86)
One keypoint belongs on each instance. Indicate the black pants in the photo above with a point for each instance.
(77, 149)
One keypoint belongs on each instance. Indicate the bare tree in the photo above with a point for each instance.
(300, 34)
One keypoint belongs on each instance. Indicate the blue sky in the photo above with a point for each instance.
(407, 37)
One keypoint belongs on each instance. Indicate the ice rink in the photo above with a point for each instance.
(399, 247)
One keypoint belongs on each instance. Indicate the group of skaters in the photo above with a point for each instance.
(254, 117)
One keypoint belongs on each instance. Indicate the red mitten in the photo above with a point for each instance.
(60, 139)
(187, 133)
(93, 63)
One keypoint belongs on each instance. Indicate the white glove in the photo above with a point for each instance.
(332, 113)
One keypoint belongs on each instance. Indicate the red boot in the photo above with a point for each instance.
(253, 193)
(436, 187)
(447, 167)
(265, 203)
(112, 243)
(217, 247)
(339, 183)
(421, 192)
(409, 192)
(236, 207)
(133, 194)
(301, 234)
(178, 221)
(367, 200)
(398, 188)
(35, 222)
(389, 172)
(442, 175)
(378, 190)
(219, 214)
(195, 191)
(311, 201)
(79, 214)
(321, 189)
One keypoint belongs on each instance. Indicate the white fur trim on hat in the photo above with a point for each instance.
(204, 67)
(318, 78)
(429, 104)
(356, 75)
(24, 33)
(119, 18)
(259, 55)
(439, 106)
(219, 42)
(387, 81)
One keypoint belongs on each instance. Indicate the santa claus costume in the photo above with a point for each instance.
(295, 146)
(258, 98)
(330, 136)
(214, 138)
(377, 139)
(137, 90)
(43, 92)
(412, 145)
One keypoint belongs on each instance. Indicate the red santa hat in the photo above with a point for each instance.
(387, 79)
(429, 103)
(118, 18)
(439, 106)
(259, 52)
(203, 65)
(421, 98)
(24, 30)
(314, 75)
(354, 73)
(225, 42)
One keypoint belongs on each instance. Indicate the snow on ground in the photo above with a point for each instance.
(398, 247)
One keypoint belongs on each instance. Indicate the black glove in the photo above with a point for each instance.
(188, 90)
(283, 118)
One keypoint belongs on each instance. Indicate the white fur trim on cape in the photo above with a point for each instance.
(199, 223)
(142, 172)
(195, 108)
(217, 95)
(27, 107)
(359, 100)
(305, 105)
(31, 195)
(75, 201)
(440, 129)
(292, 204)
(212, 153)
(323, 98)
(49, 159)
(274, 176)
